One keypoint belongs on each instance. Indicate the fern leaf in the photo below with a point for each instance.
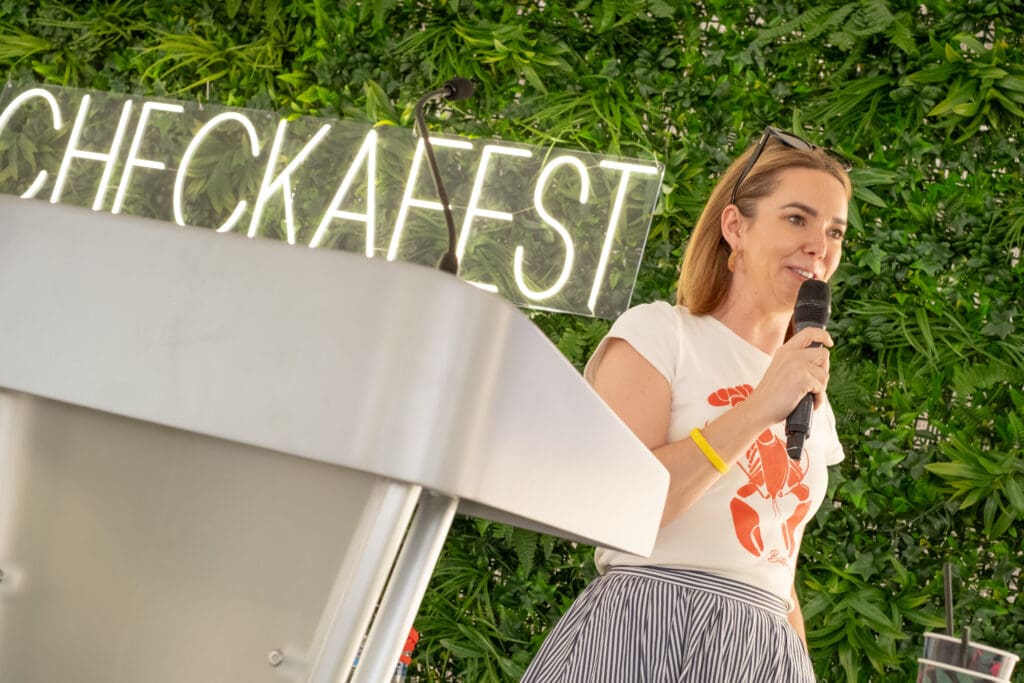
(833, 21)
(969, 379)
(844, 40)
(901, 36)
(1015, 430)
(798, 23)
(872, 17)
(525, 544)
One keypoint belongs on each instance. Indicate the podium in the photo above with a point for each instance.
(225, 459)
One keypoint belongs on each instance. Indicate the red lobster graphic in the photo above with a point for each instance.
(768, 508)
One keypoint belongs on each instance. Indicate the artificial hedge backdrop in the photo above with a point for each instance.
(928, 369)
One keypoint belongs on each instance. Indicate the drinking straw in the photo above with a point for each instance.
(965, 644)
(947, 583)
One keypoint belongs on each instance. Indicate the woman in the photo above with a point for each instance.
(707, 386)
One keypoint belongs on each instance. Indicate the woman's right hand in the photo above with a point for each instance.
(797, 369)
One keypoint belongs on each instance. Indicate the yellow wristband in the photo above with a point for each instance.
(708, 451)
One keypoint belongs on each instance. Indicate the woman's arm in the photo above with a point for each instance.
(796, 618)
(642, 398)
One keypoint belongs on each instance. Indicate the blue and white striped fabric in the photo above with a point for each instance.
(663, 625)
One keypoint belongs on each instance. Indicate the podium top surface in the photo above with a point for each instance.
(388, 368)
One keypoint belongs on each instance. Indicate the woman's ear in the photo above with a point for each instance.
(732, 225)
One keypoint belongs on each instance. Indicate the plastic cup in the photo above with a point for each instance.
(937, 672)
(943, 657)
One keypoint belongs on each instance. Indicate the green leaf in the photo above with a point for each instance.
(863, 193)
(1015, 495)
(607, 19)
(971, 42)
(934, 73)
(925, 619)
(956, 470)
(873, 616)
(847, 661)
(1002, 524)
(294, 78)
(959, 95)
(1012, 82)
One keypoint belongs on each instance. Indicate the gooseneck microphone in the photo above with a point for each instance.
(454, 90)
(813, 307)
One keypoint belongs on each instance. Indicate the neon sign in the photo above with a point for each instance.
(547, 228)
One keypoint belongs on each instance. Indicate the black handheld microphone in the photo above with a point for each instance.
(813, 307)
(454, 90)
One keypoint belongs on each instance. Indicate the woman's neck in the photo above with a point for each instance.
(765, 330)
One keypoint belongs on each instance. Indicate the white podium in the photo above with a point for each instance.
(225, 459)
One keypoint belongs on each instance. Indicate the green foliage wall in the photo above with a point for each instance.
(928, 385)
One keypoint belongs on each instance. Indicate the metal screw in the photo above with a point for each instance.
(275, 658)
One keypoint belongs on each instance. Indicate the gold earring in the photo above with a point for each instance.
(731, 263)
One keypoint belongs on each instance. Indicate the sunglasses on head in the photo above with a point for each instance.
(788, 140)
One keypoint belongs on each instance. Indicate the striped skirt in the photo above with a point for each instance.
(661, 625)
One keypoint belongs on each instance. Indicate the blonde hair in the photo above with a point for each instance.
(705, 277)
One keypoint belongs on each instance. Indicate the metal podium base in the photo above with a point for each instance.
(406, 587)
(133, 552)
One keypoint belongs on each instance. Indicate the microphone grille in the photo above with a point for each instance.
(459, 88)
(813, 303)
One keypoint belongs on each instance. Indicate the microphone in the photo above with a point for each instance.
(454, 90)
(813, 307)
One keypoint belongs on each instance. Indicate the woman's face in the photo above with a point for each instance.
(796, 234)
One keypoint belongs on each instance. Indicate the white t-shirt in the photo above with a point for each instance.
(748, 525)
